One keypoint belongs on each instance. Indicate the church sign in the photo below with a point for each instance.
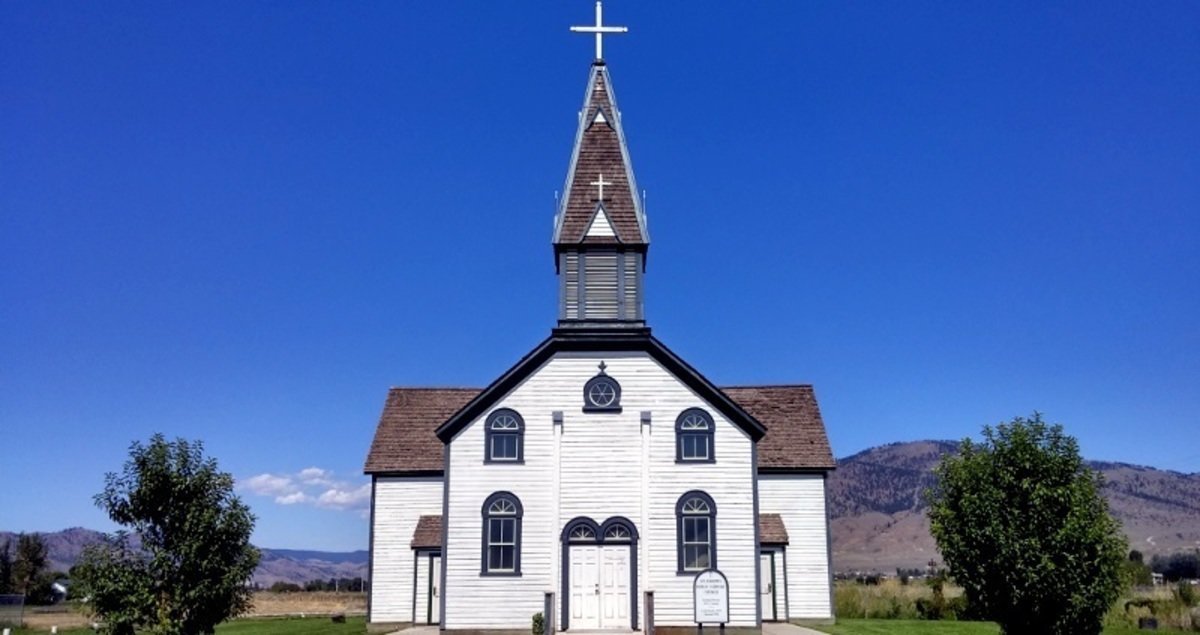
(710, 594)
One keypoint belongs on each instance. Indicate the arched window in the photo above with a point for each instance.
(502, 534)
(505, 437)
(617, 533)
(694, 436)
(581, 530)
(696, 531)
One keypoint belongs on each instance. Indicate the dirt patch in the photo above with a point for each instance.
(62, 618)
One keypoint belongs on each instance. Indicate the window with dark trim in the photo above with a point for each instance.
(696, 532)
(504, 437)
(501, 535)
(602, 393)
(694, 436)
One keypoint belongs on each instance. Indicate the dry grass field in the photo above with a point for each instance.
(266, 604)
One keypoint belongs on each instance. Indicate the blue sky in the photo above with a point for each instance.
(242, 222)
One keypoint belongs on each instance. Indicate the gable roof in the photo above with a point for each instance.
(407, 437)
(600, 150)
(593, 341)
(404, 439)
(796, 439)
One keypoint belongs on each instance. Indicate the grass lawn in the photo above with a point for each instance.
(908, 627)
(923, 627)
(258, 626)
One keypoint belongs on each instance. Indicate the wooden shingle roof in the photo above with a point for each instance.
(795, 437)
(404, 439)
(428, 533)
(600, 150)
(405, 442)
(771, 530)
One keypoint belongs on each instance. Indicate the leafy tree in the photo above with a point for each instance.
(1177, 566)
(1020, 522)
(189, 567)
(1136, 556)
(29, 562)
(6, 568)
(41, 590)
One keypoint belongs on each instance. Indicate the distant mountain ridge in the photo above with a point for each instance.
(877, 516)
(878, 522)
(276, 565)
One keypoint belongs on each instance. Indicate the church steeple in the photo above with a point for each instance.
(600, 237)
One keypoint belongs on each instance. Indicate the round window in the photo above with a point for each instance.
(602, 392)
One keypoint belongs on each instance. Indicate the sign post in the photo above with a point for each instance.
(710, 597)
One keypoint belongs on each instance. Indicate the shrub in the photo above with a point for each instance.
(539, 624)
(1184, 593)
(847, 602)
(1021, 523)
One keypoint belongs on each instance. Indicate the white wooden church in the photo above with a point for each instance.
(601, 467)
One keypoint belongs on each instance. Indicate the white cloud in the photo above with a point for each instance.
(293, 498)
(315, 476)
(311, 486)
(269, 485)
(336, 498)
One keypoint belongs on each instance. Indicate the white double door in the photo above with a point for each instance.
(599, 586)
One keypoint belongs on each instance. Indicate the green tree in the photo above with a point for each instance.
(1020, 522)
(29, 562)
(6, 568)
(189, 567)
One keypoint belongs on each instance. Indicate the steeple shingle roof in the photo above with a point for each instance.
(600, 150)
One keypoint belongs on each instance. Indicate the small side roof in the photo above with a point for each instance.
(428, 534)
(771, 530)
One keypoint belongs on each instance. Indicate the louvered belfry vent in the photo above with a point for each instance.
(600, 237)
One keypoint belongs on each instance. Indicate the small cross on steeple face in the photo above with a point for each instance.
(600, 30)
(601, 182)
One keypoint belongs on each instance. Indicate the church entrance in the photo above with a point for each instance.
(599, 575)
(599, 587)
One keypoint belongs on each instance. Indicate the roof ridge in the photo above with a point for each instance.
(765, 386)
(433, 388)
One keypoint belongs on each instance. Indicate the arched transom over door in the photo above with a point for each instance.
(599, 574)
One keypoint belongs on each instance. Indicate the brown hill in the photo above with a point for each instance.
(878, 519)
(276, 565)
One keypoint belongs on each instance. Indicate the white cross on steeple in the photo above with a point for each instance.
(601, 182)
(600, 30)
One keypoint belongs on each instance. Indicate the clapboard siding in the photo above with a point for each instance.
(399, 502)
(729, 481)
(600, 227)
(800, 501)
(596, 463)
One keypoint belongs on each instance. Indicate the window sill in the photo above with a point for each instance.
(692, 573)
(696, 461)
(499, 574)
(502, 462)
(597, 410)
